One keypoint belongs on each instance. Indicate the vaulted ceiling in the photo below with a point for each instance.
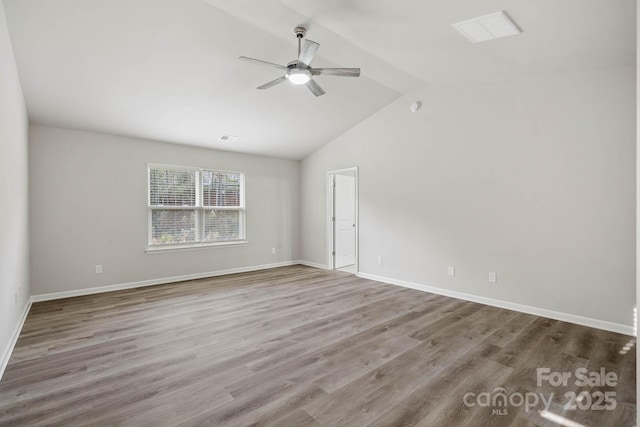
(167, 69)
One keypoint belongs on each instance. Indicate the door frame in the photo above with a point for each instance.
(330, 222)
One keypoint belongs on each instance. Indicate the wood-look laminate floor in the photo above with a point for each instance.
(298, 346)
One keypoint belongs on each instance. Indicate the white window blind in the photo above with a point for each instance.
(191, 207)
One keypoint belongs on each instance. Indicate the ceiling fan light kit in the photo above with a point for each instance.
(299, 71)
(299, 76)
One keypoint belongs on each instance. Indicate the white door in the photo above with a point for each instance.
(344, 205)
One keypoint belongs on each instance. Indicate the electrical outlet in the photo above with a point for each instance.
(273, 250)
(98, 268)
(451, 271)
(379, 260)
(493, 277)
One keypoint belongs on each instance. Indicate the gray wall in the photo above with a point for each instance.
(533, 179)
(14, 250)
(89, 206)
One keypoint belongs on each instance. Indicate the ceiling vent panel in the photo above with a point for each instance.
(487, 27)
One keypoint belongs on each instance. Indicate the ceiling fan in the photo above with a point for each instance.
(299, 71)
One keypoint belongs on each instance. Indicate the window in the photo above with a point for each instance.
(190, 207)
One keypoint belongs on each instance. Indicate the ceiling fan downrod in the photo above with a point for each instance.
(299, 32)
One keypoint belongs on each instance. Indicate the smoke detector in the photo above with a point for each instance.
(227, 138)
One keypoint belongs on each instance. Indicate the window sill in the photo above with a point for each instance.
(168, 248)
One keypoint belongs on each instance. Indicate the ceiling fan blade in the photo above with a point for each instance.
(341, 72)
(258, 61)
(308, 51)
(315, 88)
(272, 83)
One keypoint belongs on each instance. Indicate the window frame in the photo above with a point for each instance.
(199, 211)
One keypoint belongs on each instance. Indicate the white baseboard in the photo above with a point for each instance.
(565, 317)
(152, 282)
(312, 264)
(6, 355)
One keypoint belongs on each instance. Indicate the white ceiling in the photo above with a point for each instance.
(168, 70)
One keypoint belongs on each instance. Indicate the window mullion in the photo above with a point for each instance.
(198, 209)
(199, 225)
